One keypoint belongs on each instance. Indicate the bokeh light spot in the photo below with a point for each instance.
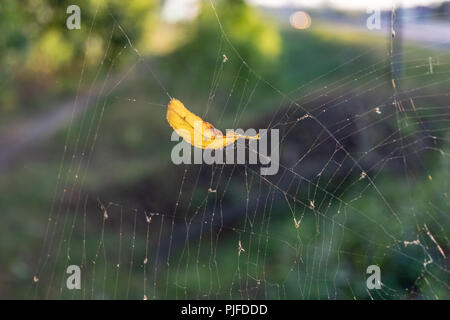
(300, 20)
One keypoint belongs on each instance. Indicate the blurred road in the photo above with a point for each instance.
(437, 33)
(426, 33)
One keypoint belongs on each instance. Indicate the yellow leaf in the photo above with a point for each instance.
(197, 132)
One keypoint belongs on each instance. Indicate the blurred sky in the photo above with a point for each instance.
(345, 4)
(179, 10)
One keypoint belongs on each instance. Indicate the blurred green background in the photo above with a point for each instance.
(86, 176)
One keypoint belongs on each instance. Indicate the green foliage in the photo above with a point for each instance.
(41, 57)
(253, 35)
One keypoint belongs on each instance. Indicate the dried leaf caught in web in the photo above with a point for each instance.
(197, 132)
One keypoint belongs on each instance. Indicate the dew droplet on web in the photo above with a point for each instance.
(408, 243)
(240, 248)
(311, 204)
(225, 58)
(363, 175)
(35, 279)
(412, 104)
(145, 260)
(297, 223)
(377, 110)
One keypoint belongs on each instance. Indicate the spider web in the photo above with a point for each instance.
(225, 231)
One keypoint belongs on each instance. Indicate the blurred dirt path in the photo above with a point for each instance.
(18, 137)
